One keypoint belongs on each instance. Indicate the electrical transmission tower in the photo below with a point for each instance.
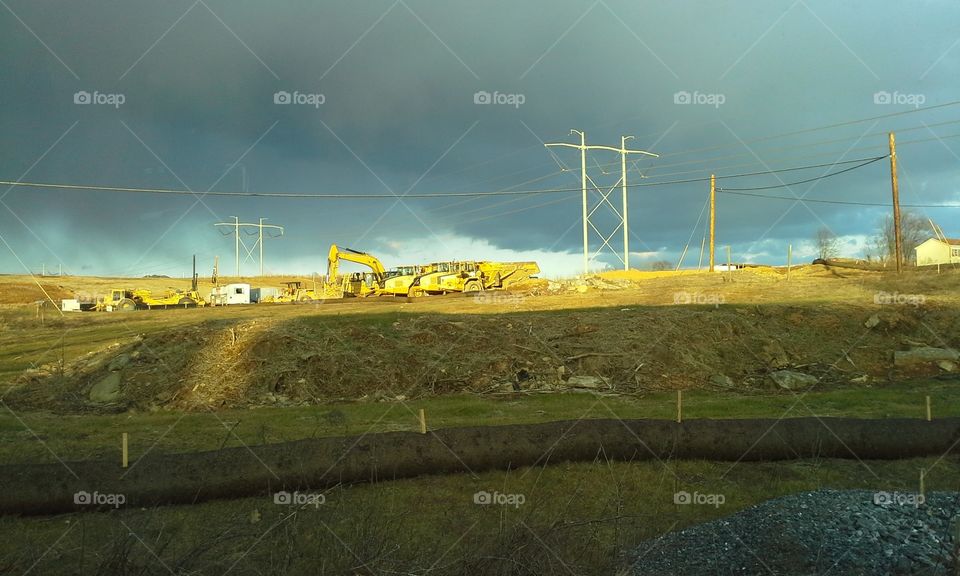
(237, 225)
(604, 198)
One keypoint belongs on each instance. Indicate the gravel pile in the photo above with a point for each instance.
(822, 532)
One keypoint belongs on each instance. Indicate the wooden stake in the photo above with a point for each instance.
(923, 482)
(929, 413)
(125, 454)
(423, 421)
(679, 406)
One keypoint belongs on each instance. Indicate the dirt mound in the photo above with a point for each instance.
(322, 358)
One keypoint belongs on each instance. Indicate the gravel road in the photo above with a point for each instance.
(823, 532)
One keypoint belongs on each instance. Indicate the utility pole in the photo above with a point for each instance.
(237, 225)
(236, 232)
(260, 241)
(623, 180)
(713, 217)
(623, 151)
(898, 239)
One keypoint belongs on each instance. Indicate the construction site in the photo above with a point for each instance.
(712, 329)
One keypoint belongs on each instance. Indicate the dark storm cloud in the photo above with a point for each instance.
(398, 81)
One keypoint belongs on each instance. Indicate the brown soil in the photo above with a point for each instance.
(311, 359)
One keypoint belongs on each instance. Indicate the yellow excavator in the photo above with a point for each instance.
(356, 284)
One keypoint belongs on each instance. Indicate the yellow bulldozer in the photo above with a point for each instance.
(124, 300)
(295, 292)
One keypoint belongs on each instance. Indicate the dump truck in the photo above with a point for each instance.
(397, 281)
(471, 276)
(125, 300)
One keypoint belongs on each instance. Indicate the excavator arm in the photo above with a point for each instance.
(337, 254)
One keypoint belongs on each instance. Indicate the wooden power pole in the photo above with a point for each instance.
(898, 239)
(713, 218)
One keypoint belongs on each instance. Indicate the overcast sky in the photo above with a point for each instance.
(192, 94)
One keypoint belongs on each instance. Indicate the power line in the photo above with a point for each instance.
(175, 191)
(832, 174)
(842, 202)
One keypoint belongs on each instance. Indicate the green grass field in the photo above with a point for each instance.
(38, 437)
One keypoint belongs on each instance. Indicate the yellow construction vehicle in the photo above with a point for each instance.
(397, 281)
(356, 284)
(295, 292)
(469, 276)
(127, 300)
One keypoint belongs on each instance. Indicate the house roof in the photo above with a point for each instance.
(948, 241)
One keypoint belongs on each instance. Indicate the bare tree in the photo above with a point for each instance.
(661, 265)
(913, 231)
(828, 244)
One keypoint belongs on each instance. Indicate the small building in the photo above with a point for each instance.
(264, 293)
(70, 305)
(230, 294)
(936, 251)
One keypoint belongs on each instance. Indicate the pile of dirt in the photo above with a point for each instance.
(321, 358)
(822, 532)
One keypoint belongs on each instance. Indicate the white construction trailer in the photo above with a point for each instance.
(230, 294)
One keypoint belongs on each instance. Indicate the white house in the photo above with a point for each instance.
(230, 294)
(935, 251)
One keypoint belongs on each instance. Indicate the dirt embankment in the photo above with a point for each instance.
(322, 463)
(311, 359)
